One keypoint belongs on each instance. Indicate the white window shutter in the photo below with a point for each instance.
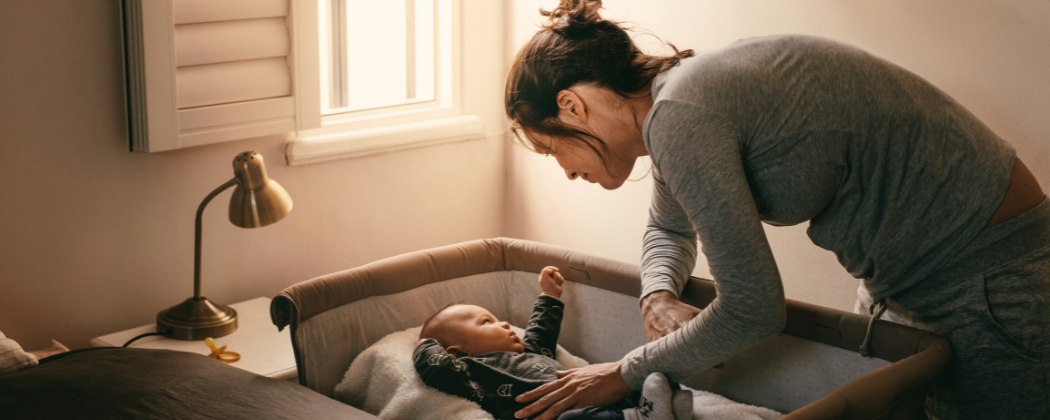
(208, 71)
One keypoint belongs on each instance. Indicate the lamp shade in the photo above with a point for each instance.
(257, 200)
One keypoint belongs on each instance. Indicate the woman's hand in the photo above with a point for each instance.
(663, 314)
(595, 385)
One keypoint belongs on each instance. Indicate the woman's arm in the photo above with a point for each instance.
(669, 244)
(700, 157)
(668, 258)
(701, 162)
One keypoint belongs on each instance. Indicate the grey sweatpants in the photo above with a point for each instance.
(992, 302)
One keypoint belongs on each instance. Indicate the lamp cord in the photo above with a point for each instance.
(166, 333)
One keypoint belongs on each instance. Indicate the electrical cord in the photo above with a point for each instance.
(166, 333)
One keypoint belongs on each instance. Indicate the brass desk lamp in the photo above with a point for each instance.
(256, 202)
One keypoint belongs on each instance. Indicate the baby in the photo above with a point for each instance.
(465, 351)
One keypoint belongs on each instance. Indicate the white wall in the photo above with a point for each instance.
(95, 239)
(990, 56)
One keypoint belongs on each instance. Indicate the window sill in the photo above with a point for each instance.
(352, 144)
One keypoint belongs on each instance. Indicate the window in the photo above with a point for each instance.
(388, 79)
(410, 65)
(347, 77)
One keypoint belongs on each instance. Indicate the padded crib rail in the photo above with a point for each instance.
(894, 391)
(299, 302)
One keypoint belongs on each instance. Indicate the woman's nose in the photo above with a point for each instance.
(572, 175)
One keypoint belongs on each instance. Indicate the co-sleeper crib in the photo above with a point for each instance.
(811, 370)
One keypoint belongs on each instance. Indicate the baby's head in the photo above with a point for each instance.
(469, 330)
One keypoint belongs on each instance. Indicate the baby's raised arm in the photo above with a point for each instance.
(551, 282)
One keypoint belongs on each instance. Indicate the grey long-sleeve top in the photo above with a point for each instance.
(893, 175)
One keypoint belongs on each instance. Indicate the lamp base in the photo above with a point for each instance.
(197, 319)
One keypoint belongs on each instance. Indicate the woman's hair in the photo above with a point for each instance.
(575, 46)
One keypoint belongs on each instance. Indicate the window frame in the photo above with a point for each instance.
(441, 39)
(362, 133)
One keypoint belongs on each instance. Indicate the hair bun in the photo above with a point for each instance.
(573, 15)
(560, 23)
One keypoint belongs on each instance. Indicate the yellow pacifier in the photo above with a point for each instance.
(220, 353)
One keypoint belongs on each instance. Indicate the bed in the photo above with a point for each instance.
(812, 370)
(137, 383)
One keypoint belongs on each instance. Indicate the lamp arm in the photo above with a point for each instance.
(197, 238)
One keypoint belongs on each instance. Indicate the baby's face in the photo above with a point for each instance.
(475, 331)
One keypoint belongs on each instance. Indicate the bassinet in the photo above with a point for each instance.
(812, 369)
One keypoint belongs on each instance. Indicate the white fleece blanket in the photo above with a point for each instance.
(383, 381)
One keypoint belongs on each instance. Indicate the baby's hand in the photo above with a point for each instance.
(551, 282)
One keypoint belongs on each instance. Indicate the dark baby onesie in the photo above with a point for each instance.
(493, 379)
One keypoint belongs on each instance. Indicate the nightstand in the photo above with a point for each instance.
(263, 349)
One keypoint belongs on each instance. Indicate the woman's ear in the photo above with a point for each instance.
(571, 107)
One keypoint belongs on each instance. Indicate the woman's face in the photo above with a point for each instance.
(604, 115)
(580, 161)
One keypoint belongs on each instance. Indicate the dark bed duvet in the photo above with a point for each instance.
(128, 383)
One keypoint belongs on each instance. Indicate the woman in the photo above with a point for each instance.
(921, 201)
